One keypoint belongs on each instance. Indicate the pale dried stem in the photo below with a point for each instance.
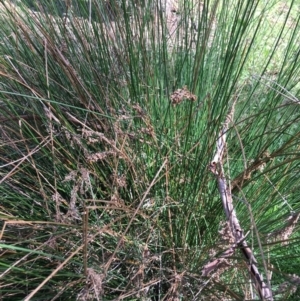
(216, 167)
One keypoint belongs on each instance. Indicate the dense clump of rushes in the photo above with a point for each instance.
(110, 115)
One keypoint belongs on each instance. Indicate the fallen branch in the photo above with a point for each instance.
(216, 167)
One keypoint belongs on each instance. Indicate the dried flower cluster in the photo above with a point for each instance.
(182, 94)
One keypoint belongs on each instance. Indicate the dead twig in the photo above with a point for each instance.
(216, 167)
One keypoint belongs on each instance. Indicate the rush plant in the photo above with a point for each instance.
(121, 121)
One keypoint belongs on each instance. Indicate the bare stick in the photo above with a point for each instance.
(216, 167)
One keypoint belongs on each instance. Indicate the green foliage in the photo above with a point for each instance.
(109, 119)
